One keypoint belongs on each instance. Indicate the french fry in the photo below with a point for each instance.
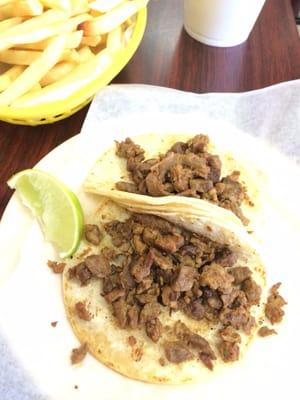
(114, 39)
(79, 6)
(111, 20)
(104, 6)
(91, 41)
(70, 55)
(27, 57)
(4, 2)
(8, 40)
(35, 88)
(85, 54)
(50, 48)
(9, 23)
(19, 57)
(73, 41)
(35, 72)
(9, 76)
(58, 72)
(64, 5)
(77, 78)
(49, 17)
(23, 8)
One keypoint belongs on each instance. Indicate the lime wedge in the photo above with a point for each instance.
(56, 208)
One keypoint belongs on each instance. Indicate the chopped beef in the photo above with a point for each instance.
(273, 307)
(150, 311)
(161, 261)
(150, 235)
(169, 297)
(154, 186)
(133, 316)
(98, 265)
(120, 312)
(238, 318)
(128, 149)
(145, 298)
(226, 257)
(198, 144)
(139, 246)
(169, 243)
(81, 272)
(82, 311)
(215, 302)
(140, 267)
(114, 295)
(186, 169)
(196, 343)
(206, 361)
(145, 285)
(127, 187)
(229, 345)
(119, 232)
(215, 165)
(179, 147)
(229, 334)
(265, 331)
(234, 299)
(252, 291)
(153, 264)
(216, 277)
(184, 280)
(154, 329)
(78, 354)
(195, 310)
(56, 267)
(200, 185)
(229, 351)
(180, 178)
(92, 234)
(109, 253)
(177, 352)
(126, 279)
(240, 274)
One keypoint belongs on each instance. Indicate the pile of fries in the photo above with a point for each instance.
(49, 48)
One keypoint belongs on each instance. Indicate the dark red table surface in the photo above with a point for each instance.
(168, 57)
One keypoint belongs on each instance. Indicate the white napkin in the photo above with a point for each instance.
(272, 113)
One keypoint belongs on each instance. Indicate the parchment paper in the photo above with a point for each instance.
(273, 114)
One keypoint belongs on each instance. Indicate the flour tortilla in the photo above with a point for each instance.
(110, 168)
(109, 344)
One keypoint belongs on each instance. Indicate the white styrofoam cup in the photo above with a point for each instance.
(222, 23)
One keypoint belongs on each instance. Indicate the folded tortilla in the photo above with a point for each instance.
(109, 344)
(110, 169)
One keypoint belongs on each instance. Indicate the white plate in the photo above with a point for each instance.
(35, 356)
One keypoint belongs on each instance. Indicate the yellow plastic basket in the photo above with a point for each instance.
(50, 112)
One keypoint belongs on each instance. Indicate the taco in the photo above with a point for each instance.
(196, 168)
(162, 301)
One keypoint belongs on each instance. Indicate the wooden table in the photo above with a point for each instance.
(169, 57)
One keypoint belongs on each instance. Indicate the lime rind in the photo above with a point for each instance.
(55, 206)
